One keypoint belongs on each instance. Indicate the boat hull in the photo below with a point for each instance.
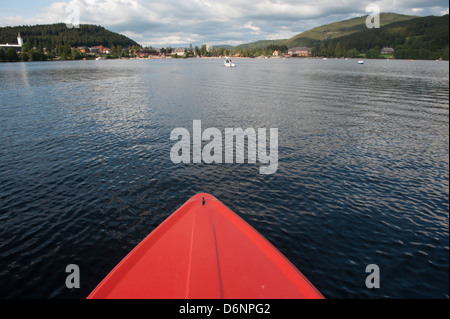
(205, 251)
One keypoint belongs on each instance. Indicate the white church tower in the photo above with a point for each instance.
(19, 40)
(17, 47)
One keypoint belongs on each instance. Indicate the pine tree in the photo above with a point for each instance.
(11, 55)
(345, 48)
(203, 50)
(322, 49)
(338, 50)
(2, 55)
(330, 49)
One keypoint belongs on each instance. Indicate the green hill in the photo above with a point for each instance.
(53, 35)
(419, 38)
(340, 29)
(259, 44)
(325, 32)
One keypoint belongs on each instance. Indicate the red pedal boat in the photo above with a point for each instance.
(204, 251)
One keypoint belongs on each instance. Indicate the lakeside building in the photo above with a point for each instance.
(101, 49)
(94, 50)
(387, 50)
(300, 51)
(17, 47)
(83, 49)
(146, 53)
(179, 51)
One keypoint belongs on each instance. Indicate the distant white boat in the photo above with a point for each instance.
(360, 62)
(100, 58)
(324, 59)
(228, 62)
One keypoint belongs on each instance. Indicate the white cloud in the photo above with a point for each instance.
(250, 26)
(173, 40)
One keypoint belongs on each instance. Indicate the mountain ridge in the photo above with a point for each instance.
(329, 31)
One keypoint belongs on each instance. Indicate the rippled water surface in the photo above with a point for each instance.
(363, 175)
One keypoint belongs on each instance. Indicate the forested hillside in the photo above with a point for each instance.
(420, 38)
(342, 28)
(53, 35)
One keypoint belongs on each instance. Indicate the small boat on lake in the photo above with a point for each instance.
(229, 62)
(360, 62)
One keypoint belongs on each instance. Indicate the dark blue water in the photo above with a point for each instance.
(363, 175)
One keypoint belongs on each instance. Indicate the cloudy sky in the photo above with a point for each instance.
(182, 22)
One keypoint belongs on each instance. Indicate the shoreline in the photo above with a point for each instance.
(234, 58)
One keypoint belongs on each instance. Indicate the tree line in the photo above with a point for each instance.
(61, 52)
(205, 51)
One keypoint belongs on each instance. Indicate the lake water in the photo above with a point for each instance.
(363, 173)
